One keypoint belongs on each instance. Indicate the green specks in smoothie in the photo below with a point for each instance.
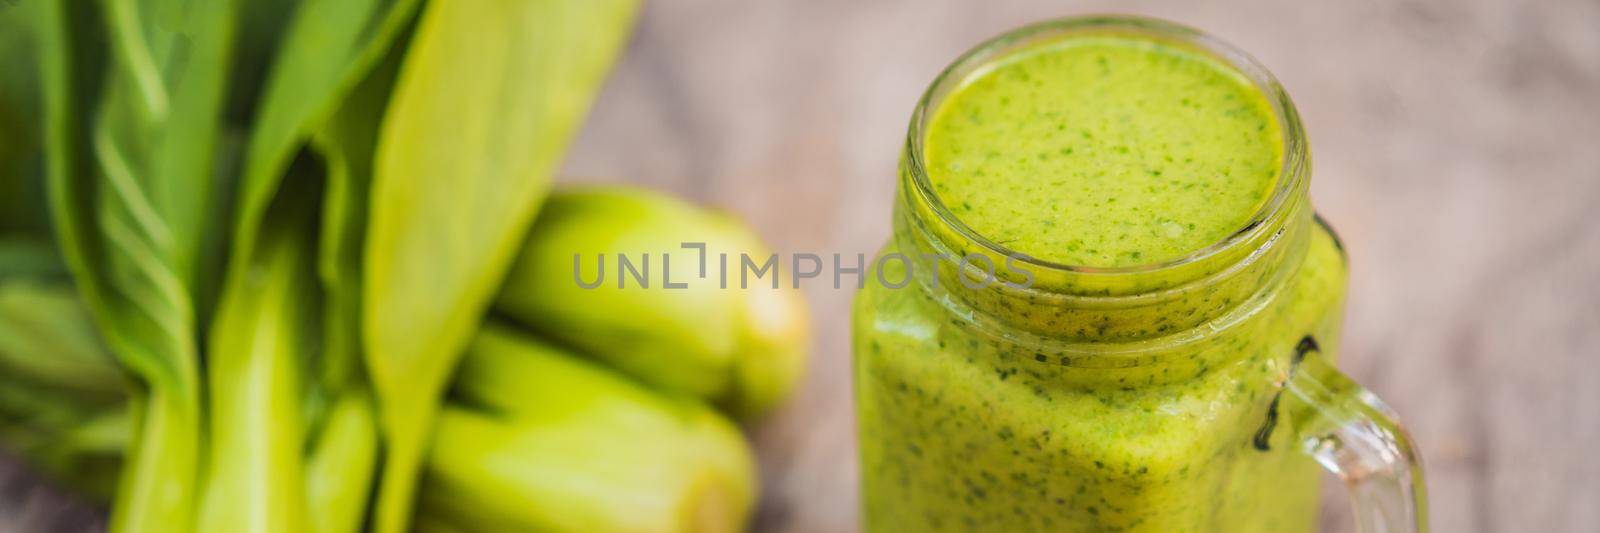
(1105, 151)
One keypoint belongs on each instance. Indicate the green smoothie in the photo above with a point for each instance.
(1057, 408)
(1105, 151)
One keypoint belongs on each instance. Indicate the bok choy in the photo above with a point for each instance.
(249, 250)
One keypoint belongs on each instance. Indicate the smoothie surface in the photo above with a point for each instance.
(1104, 151)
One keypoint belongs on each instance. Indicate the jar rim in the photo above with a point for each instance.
(1291, 174)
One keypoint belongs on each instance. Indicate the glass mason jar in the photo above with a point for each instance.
(997, 392)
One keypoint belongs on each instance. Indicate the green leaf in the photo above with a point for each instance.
(130, 166)
(489, 96)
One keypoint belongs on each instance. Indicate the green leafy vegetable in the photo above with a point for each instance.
(130, 164)
(534, 438)
(489, 95)
(244, 245)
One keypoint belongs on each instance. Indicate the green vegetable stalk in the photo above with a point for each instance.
(740, 343)
(555, 443)
(260, 346)
(489, 94)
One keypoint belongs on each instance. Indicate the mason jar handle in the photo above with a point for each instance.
(1354, 435)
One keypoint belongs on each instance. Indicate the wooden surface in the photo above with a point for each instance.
(1457, 149)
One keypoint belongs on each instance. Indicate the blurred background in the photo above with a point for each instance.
(1457, 152)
